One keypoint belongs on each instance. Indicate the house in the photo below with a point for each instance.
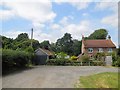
(41, 55)
(91, 47)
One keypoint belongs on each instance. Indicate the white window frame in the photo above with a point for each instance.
(100, 49)
(110, 50)
(90, 50)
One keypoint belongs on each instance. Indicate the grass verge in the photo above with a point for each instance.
(102, 80)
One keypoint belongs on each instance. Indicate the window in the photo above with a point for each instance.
(90, 50)
(100, 49)
(109, 49)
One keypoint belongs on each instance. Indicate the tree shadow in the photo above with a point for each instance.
(16, 71)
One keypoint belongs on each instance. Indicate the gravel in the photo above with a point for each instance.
(51, 76)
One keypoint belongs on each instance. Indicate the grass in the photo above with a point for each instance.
(102, 80)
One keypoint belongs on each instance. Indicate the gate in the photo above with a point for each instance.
(108, 60)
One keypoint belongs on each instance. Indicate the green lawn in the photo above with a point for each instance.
(102, 80)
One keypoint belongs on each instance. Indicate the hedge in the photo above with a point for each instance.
(65, 62)
(12, 59)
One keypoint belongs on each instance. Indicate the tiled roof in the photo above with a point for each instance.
(49, 53)
(99, 43)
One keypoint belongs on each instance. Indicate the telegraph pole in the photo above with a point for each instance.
(31, 36)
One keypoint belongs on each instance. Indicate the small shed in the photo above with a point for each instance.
(41, 55)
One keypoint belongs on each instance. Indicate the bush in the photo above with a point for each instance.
(57, 62)
(85, 58)
(99, 56)
(74, 58)
(14, 59)
(62, 55)
(116, 61)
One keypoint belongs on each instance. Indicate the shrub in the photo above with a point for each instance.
(74, 58)
(29, 49)
(12, 59)
(85, 58)
(99, 56)
(62, 55)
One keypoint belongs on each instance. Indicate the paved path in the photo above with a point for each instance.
(51, 76)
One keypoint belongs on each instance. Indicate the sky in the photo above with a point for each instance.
(51, 19)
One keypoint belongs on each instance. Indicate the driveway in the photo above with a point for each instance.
(51, 76)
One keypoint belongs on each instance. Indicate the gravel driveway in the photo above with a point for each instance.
(51, 76)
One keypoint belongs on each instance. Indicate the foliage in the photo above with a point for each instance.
(99, 56)
(66, 62)
(102, 80)
(6, 42)
(29, 49)
(116, 61)
(45, 44)
(12, 59)
(57, 62)
(22, 37)
(62, 55)
(76, 48)
(65, 44)
(73, 58)
(99, 34)
(85, 58)
(118, 51)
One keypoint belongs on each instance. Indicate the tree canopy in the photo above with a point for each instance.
(99, 34)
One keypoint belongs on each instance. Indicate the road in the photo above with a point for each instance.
(51, 76)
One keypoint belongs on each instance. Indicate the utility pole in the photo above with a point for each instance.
(31, 36)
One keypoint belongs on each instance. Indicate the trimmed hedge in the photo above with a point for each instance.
(14, 59)
(66, 62)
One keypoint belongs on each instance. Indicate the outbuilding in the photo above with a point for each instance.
(42, 55)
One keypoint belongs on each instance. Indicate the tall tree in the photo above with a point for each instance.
(99, 34)
(65, 44)
(77, 47)
(22, 37)
(6, 42)
(45, 44)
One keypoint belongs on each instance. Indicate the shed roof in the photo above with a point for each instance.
(49, 53)
(99, 43)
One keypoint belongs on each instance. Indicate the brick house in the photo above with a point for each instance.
(91, 47)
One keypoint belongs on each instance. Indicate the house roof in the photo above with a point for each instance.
(99, 43)
(49, 53)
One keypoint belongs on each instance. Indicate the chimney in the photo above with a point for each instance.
(82, 37)
(109, 37)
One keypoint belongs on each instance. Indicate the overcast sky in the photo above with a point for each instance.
(51, 19)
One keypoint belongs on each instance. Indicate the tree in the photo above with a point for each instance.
(99, 34)
(65, 44)
(53, 47)
(22, 37)
(45, 44)
(77, 47)
(6, 42)
(26, 43)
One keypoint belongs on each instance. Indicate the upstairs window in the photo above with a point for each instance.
(110, 50)
(90, 50)
(100, 49)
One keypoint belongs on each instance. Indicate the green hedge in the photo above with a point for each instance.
(65, 62)
(12, 59)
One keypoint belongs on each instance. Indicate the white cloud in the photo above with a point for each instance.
(6, 14)
(36, 12)
(111, 20)
(55, 27)
(76, 30)
(113, 6)
(80, 5)
(64, 21)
